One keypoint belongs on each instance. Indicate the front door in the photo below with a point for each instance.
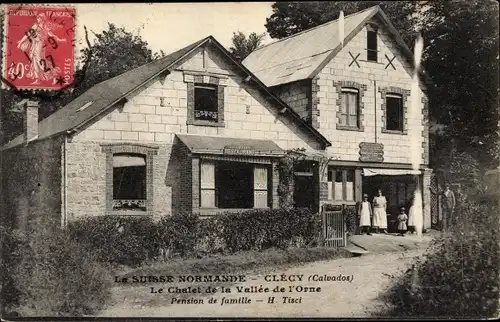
(304, 192)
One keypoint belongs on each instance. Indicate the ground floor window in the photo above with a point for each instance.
(341, 184)
(227, 184)
(129, 182)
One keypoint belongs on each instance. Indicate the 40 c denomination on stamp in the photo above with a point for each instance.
(39, 47)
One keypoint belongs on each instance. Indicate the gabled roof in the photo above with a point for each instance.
(303, 55)
(105, 95)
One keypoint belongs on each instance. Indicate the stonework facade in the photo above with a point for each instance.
(152, 118)
(372, 81)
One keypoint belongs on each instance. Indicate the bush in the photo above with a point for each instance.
(261, 229)
(46, 273)
(118, 240)
(179, 232)
(458, 275)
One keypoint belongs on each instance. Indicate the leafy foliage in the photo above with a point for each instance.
(461, 54)
(462, 262)
(46, 273)
(102, 60)
(243, 46)
(290, 17)
(117, 240)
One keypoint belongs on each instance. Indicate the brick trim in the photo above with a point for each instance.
(191, 79)
(361, 93)
(314, 101)
(405, 94)
(148, 151)
(425, 132)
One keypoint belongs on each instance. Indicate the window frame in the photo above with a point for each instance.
(401, 111)
(361, 88)
(149, 152)
(373, 51)
(394, 91)
(332, 177)
(343, 92)
(194, 80)
(216, 188)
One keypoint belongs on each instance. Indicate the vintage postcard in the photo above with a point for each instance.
(229, 160)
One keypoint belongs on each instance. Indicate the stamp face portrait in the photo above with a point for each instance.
(39, 52)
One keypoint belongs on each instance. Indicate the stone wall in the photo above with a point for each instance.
(297, 95)
(376, 78)
(32, 183)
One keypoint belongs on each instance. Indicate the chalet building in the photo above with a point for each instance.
(356, 93)
(194, 131)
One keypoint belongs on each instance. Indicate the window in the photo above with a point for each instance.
(129, 182)
(341, 184)
(206, 102)
(371, 46)
(349, 107)
(394, 112)
(226, 184)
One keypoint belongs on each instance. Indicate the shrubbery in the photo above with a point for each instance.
(131, 241)
(117, 240)
(459, 274)
(46, 273)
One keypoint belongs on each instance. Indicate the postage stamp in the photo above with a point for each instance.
(39, 47)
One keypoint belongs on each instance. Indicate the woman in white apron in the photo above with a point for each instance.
(365, 215)
(380, 212)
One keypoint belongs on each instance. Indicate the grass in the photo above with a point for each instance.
(248, 262)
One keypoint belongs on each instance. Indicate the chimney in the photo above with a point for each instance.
(30, 120)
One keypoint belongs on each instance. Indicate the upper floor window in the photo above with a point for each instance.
(129, 182)
(394, 112)
(205, 99)
(371, 45)
(349, 111)
(206, 102)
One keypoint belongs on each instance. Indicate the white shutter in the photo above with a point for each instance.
(207, 184)
(260, 186)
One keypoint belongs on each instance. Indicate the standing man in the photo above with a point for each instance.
(449, 203)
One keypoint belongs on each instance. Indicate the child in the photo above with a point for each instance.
(402, 219)
(365, 215)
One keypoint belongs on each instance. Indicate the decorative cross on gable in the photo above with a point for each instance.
(390, 62)
(354, 59)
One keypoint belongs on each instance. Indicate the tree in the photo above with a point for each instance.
(243, 46)
(289, 18)
(461, 45)
(113, 52)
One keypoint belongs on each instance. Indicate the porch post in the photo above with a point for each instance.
(426, 196)
(274, 189)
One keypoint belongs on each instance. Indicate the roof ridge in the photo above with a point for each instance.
(316, 27)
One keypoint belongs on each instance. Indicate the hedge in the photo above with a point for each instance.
(459, 274)
(46, 273)
(133, 240)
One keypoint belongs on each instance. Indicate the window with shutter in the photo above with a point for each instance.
(341, 184)
(233, 185)
(349, 111)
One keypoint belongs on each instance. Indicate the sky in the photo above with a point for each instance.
(171, 26)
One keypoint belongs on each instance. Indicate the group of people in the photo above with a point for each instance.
(376, 217)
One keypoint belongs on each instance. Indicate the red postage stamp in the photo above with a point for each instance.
(39, 47)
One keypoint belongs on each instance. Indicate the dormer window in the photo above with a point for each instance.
(371, 45)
